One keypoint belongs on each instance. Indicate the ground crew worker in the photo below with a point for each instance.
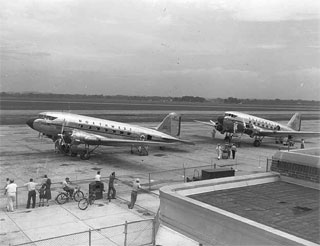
(302, 143)
(233, 150)
(111, 186)
(219, 151)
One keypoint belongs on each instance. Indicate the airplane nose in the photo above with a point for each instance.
(220, 119)
(30, 122)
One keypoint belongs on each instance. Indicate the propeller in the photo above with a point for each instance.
(214, 128)
(61, 135)
(63, 146)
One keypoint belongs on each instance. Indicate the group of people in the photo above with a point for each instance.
(44, 192)
(112, 191)
(232, 149)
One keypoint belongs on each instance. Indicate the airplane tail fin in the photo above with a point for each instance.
(171, 125)
(295, 122)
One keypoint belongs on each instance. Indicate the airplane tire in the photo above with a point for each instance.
(256, 143)
(84, 156)
(74, 154)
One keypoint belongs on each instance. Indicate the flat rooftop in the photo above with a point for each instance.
(284, 206)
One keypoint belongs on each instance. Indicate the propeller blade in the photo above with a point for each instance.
(63, 124)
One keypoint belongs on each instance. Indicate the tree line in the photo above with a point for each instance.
(190, 99)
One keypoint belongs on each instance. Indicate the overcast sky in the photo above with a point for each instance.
(208, 48)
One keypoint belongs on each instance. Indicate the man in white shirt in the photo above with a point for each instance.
(134, 193)
(66, 185)
(98, 176)
(11, 191)
(31, 193)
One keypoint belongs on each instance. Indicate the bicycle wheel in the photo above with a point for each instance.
(78, 195)
(62, 198)
(83, 203)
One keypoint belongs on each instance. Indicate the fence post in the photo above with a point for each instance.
(259, 166)
(154, 231)
(17, 197)
(125, 233)
(184, 173)
(149, 181)
(89, 236)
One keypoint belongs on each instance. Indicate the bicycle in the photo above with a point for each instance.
(85, 202)
(64, 196)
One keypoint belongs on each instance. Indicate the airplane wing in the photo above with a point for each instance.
(211, 123)
(275, 133)
(81, 137)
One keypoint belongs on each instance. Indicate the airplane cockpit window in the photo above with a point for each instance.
(47, 117)
(51, 117)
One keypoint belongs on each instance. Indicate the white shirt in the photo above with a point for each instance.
(31, 186)
(136, 186)
(11, 188)
(97, 177)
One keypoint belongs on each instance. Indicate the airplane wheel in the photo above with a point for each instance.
(84, 156)
(256, 143)
(74, 154)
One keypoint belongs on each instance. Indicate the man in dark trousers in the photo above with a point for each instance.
(134, 193)
(111, 186)
(233, 150)
(31, 193)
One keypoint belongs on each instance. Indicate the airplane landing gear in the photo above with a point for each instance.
(85, 155)
(142, 150)
(257, 141)
(228, 137)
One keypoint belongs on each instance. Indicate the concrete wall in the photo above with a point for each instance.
(213, 226)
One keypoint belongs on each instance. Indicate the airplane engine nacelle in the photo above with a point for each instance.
(81, 137)
(233, 126)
